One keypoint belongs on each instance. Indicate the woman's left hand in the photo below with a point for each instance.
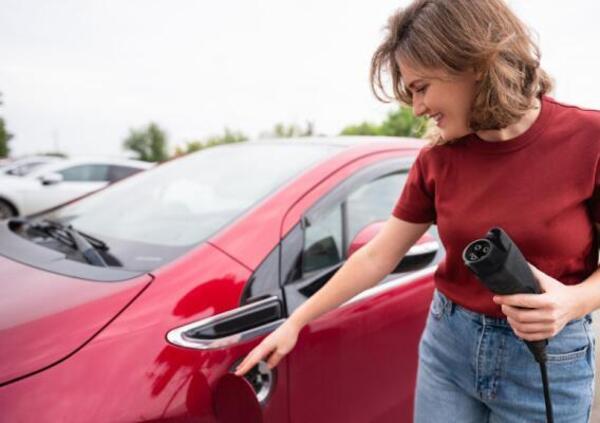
(540, 316)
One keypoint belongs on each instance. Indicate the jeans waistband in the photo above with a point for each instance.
(447, 305)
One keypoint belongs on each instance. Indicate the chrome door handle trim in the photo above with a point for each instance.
(178, 335)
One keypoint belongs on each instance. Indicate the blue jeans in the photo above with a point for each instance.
(473, 368)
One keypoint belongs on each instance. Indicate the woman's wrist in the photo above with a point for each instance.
(587, 297)
(295, 322)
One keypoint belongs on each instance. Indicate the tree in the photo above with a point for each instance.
(228, 137)
(5, 136)
(401, 123)
(289, 131)
(150, 143)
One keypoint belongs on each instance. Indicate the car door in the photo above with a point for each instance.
(356, 363)
(77, 181)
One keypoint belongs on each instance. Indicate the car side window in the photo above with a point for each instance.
(116, 173)
(85, 173)
(373, 201)
(326, 244)
(323, 241)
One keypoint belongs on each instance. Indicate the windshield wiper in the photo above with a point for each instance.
(88, 251)
(95, 242)
(82, 242)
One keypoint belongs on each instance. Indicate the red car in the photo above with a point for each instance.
(133, 303)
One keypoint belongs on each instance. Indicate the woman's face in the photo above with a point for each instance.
(445, 98)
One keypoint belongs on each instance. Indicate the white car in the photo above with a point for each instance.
(52, 184)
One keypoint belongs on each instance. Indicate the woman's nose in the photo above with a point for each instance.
(419, 108)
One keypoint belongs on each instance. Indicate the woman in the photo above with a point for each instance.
(504, 154)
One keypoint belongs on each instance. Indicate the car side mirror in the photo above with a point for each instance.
(417, 257)
(51, 178)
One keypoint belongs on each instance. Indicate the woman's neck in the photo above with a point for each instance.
(514, 130)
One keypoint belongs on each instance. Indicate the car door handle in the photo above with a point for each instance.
(231, 327)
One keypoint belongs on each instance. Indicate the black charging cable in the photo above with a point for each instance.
(499, 264)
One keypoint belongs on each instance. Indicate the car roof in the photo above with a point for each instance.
(349, 142)
(349, 145)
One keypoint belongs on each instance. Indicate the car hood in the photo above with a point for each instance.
(45, 317)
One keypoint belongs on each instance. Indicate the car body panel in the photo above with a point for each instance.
(50, 316)
(147, 378)
(363, 353)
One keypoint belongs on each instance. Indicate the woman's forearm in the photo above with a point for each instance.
(359, 273)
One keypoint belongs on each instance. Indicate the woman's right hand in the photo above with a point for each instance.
(275, 346)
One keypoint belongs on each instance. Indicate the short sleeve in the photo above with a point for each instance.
(416, 202)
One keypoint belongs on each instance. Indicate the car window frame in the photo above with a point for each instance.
(338, 195)
(298, 290)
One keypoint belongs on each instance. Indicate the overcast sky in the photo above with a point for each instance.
(77, 74)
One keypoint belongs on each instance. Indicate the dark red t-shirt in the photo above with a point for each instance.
(542, 188)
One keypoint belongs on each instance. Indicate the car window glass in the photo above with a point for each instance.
(85, 173)
(116, 173)
(373, 201)
(323, 242)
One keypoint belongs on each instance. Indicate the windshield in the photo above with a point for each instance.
(158, 214)
(23, 169)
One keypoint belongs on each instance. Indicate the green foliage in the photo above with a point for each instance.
(5, 136)
(150, 143)
(365, 128)
(400, 123)
(289, 131)
(228, 137)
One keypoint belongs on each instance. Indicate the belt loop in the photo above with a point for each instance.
(450, 305)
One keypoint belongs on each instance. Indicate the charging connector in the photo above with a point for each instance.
(499, 264)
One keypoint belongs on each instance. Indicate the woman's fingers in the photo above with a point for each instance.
(530, 328)
(537, 336)
(247, 363)
(275, 347)
(256, 355)
(523, 315)
(274, 359)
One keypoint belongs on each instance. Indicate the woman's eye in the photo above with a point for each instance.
(421, 89)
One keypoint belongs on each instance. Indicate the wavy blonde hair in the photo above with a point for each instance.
(460, 35)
